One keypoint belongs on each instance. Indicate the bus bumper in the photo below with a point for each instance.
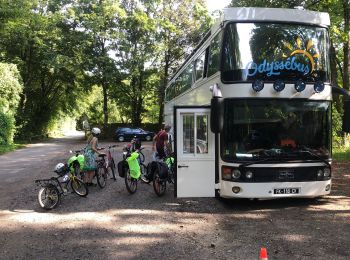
(274, 190)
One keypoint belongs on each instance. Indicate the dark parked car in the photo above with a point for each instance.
(125, 133)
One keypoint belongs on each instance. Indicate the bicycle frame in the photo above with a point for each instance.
(56, 182)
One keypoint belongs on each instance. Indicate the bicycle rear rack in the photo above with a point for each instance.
(44, 182)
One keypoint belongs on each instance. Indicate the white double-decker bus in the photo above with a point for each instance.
(251, 107)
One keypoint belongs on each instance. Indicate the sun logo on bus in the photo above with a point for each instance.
(307, 49)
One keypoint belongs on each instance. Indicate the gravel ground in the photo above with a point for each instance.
(112, 224)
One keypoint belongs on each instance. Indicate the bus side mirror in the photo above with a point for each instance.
(217, 115)
(346, 116)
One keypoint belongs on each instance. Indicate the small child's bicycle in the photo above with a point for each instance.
(52, 189)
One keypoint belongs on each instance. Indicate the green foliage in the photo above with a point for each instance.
(10, 87)
(336, 127)
(10, 90)
(44, 50)
(10, 147)
(341, 154)
(7, 128)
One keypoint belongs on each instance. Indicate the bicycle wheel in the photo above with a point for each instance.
(143, 169)
(49, 196)
(79, 187)
(130, 183)
(159, 185)
(101, 176)
(112, 167)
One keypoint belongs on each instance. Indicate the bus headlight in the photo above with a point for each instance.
(319, 86)
(278, 85)
(319, 173)
(258, 85)
(249, 175)
(236, 174)
(327, 172)
(299, 85)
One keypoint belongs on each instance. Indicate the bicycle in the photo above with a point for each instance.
(78, 168)
(163, 171)
(52, 189)
(104, 166)
(124, 169)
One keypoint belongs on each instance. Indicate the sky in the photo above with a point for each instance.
(217, 4)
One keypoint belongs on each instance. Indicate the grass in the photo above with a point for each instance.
(10, 147)
(341, 154)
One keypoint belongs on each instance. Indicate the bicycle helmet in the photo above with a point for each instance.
(95, 131)
(59, 168)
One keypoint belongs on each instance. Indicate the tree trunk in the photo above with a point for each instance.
(161, 90)
(105, 104)
(334, 74)
(346, 48)
(139, 99)
(133, 102)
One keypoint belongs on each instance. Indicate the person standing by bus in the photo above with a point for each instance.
(161, 142)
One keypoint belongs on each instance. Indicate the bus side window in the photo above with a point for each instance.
(199, 66)
(214, 55)
(187, 77)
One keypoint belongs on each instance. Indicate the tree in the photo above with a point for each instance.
(181, 25)
(134, 51)
(10, 90)
(37, 42)
(97, 21)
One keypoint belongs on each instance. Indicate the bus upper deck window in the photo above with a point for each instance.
(199, 69)
(214, 55)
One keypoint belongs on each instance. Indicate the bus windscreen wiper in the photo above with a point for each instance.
(306, 150)
(253, 162)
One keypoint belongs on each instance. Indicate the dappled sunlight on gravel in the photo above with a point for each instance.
(296, 237)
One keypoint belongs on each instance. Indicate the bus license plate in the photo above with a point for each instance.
(287, 191)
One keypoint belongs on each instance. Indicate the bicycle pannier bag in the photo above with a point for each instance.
(163, 170)
(151, 168)
(122, 167)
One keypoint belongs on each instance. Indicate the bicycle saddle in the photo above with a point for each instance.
(102, 155)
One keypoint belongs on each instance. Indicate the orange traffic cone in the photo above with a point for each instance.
(263, 254)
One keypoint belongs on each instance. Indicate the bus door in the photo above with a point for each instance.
(195, 173)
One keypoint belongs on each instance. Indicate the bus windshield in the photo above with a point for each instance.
(274, 51)
(276, 130)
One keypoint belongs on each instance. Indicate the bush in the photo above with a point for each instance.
(7, 128)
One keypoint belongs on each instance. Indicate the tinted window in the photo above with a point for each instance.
(124, 129)
(200, 66)
(276, 128)
(275, 51)
(214, 55)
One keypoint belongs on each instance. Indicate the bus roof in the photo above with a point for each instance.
(275, 14)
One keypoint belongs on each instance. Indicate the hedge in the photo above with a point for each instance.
(7, 128)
